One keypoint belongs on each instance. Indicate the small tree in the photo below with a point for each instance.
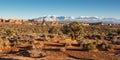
(55, 30)
(74, 30)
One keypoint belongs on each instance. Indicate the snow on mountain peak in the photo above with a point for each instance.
(81, 19)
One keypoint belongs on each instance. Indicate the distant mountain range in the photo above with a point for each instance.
(79, 19)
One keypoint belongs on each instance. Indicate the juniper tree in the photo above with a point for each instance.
(74, 30)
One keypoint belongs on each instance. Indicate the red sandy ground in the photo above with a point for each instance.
(72, 53)
(69, 55)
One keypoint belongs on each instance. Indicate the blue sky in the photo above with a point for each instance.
(25, 9)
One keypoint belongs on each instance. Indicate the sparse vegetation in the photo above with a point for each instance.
(36, 54)
(55, 30)
(74, 30)
(89, 46)
(41, 37)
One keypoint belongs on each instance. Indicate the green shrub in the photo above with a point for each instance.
(110, 47)
(95, 43)
(106, 46)
(89, 46)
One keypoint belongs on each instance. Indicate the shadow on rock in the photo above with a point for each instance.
(8, 59)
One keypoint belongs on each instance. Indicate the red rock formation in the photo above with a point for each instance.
(2, 20)
(11, 21)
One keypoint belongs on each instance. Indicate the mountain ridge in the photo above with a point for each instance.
(79, 19)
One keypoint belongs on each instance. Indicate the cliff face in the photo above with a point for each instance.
(11, 21)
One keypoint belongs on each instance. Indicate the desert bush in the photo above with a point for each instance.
(118, 32)
(89, 46)
(110, 46)
(95, 43)
(67, 44)
(55, 30)
(106, 46)
(74, 30)
(4, 42)
(4, 46)
(80, 43)
(103, 47)
(37, 50)
(115, 42)
(36, 53)
(37, 45)
(9, 32)
(62, 49)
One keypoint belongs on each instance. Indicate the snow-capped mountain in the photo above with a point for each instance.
(80, 19)
(63, 18)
